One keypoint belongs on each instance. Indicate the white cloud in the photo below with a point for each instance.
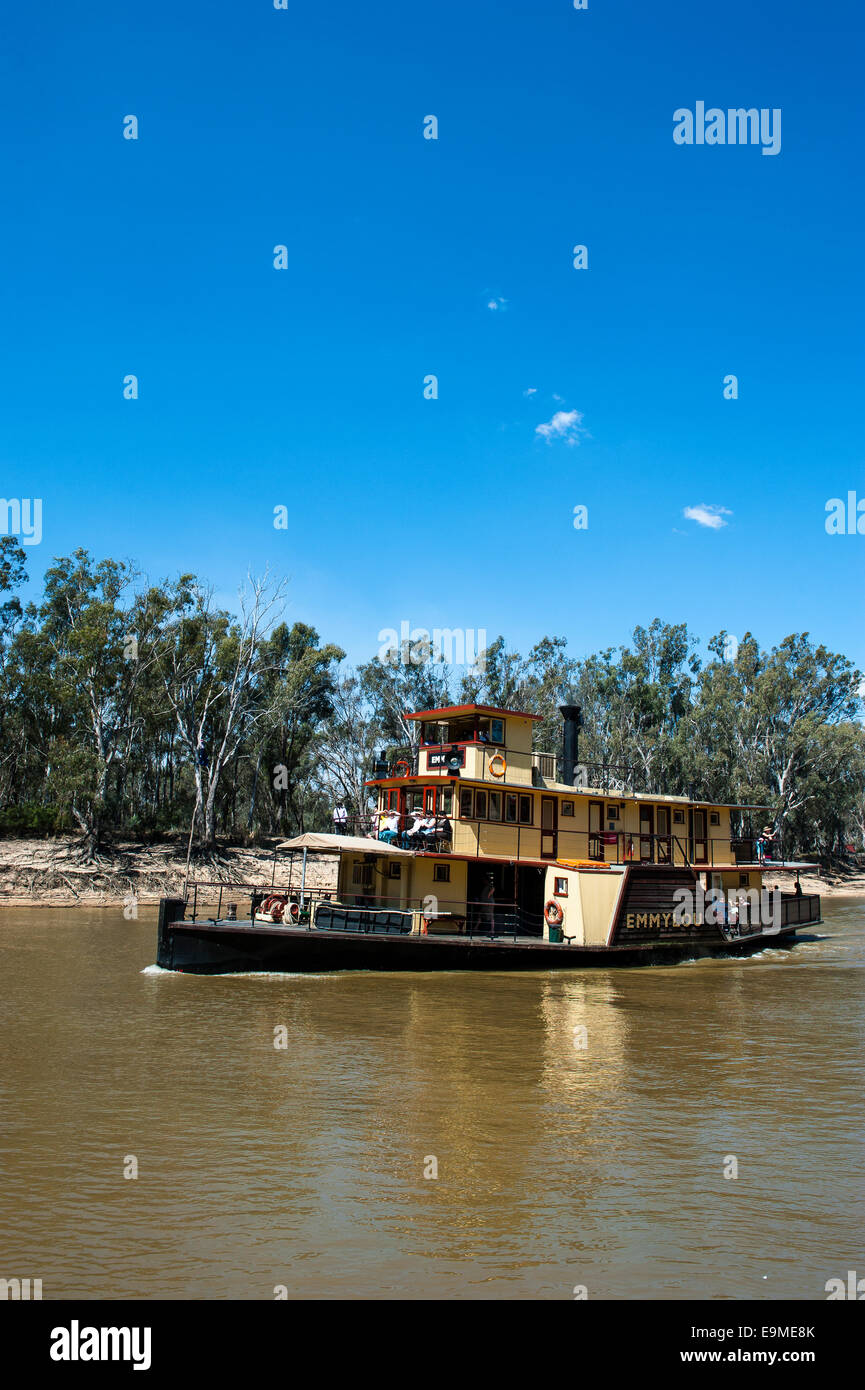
(497, 303)
(565, 424)
(705, 514)
(532, 391)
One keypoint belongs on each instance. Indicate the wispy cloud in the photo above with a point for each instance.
(532, 391)
(706, 514)
(565, 424)
(497, 303)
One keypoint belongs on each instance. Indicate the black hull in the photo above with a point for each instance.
(206, 948)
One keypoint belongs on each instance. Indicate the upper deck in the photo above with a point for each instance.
(475, 768)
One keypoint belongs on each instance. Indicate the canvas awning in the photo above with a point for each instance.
(336, 844)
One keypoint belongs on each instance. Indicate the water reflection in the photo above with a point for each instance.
(304, 1165)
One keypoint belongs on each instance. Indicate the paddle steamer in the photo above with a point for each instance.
(476, 856)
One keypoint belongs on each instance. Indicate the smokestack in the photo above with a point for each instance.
(573, 717)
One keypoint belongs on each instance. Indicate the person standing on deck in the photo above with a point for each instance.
(340, 819)
(486, 911)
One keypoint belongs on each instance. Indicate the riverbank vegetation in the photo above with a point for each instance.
(140, 709)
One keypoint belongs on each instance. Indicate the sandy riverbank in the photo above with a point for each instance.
(49, 873)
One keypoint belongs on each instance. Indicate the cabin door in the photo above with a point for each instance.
(699, 839)
(549, 827)
(647, 830)
(664, 843)
(596, 830)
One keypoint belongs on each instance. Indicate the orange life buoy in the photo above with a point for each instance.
(497, 757)
(553, 914)
(402, 763)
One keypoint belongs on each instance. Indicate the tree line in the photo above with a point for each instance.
(144, 709)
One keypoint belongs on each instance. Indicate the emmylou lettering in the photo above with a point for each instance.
(731, 127)
(713, 908)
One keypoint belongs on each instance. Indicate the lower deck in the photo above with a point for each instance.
(220, 946)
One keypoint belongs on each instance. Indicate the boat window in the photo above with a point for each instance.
(497, 731)
(445, 800)
(567, 808)
(441, 873)
(525, 810)
(414, 799)
(394, 870)
(361, 874)
(466, 803)
(561, 888)
(435, 733)
(481, 805)
(714, 818)
(678, 817)
(511, 808)
(613, 813)
(495, 812)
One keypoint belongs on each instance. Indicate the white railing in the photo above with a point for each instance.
(546, 765)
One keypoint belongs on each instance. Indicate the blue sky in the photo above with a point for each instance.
(304, 387)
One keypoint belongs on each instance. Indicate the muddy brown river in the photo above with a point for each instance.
(429, 1136)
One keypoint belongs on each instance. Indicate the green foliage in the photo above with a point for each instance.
(29, 820)
(143, 709)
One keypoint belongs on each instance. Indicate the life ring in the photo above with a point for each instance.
(402, 763)
(497, 757)
(553, 914)
(293, 911)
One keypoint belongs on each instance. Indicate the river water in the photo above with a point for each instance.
(303, 1166)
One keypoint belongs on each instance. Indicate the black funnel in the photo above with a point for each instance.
(573, 717)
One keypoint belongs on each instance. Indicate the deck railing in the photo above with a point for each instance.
(597, 846)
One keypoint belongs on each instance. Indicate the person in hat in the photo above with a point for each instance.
(765, 843)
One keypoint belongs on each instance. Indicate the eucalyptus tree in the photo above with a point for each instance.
(211, 664)
(294, 701)
(398, 686)
(79, 671)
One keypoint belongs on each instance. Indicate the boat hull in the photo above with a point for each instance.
(214, 948)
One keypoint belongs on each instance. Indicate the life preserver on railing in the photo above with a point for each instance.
(497, 758)
(553, 914)
(402, 763)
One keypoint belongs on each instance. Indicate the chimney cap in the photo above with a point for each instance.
(572, 712)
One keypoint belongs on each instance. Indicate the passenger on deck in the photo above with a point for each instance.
(765, 844)
(427, 828)
(443, 829)
(414, 834)
(390, 830)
